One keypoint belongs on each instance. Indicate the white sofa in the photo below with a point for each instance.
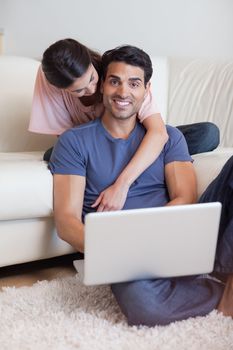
(186, 90)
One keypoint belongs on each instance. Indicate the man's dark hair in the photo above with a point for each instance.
(66, 60)
(131, 55)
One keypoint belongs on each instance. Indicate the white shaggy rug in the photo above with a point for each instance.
(64, 314)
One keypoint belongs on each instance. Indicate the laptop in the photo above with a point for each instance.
(149, 243)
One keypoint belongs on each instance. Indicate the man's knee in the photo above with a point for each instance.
(145, 316)
(162, 301)
(200, 137)
(209, 136)
(212, 133)
(140, 305)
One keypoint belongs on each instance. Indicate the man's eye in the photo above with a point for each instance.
(114, 82)
(134, 84)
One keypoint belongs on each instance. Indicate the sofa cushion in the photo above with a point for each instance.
(159, 83)
(26, 184)
(202, 90)
(12, 156)
(208, 165)
(16, 85)
(26, 187)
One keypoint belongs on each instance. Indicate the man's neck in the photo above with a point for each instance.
(118, 128)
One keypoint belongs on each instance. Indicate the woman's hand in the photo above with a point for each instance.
(112, 198)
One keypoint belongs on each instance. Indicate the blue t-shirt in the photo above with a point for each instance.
(89, 150)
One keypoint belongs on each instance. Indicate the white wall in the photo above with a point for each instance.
(163, 27)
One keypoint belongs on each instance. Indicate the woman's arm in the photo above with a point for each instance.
(113, 198)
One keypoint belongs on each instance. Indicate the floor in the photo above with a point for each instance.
(29, 273)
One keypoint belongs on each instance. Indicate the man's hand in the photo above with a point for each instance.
(112, 198)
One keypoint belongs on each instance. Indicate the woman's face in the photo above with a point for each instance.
(86, 85)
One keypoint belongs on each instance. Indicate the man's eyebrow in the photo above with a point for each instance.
(114, 76)
(131, 79)
(135, 79)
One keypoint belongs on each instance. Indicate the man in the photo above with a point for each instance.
(87, 159)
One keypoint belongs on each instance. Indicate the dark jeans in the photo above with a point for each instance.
(200, 137)
(47, 154)
(161, 301)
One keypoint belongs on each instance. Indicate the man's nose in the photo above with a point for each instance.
(123, 90)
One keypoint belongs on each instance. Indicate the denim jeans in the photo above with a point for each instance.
(200, 137)
(161, 301)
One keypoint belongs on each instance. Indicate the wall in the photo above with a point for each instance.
(163, 27)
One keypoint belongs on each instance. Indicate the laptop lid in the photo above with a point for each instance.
(150, 243)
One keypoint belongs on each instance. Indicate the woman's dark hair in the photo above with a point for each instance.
(130, 55)
(66, 60)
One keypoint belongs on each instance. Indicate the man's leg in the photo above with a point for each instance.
(159, 302)
(162, 301)
(47, 154)
(221, 189)
(200, 137)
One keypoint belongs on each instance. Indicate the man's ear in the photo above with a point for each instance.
(148, 85)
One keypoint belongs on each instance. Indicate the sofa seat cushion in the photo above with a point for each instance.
(208, 165)
(26, 184)
(18, 156)
(26, 187)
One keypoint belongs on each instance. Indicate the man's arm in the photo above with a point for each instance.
(181, 183)
(68, 204)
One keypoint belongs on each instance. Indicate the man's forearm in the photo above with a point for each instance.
(182, 201)
(71, 230)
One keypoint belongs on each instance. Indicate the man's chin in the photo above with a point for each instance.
(122, 117)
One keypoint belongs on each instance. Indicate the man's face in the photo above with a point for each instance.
(123, 90)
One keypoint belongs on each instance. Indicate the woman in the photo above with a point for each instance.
(67, 93)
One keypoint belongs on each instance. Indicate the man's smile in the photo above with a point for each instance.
(121, 103)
